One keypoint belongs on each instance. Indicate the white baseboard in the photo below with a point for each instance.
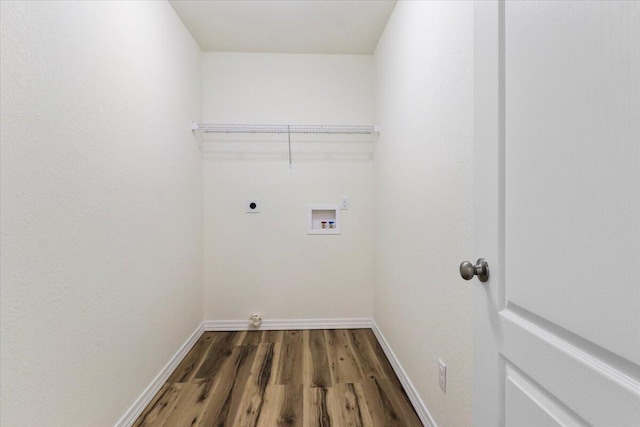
(284, 324)
(412, 393)
(138, 406)
(243, 325)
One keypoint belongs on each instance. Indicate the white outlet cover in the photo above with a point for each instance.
(442, 375)
(344, 202)
(252, 206)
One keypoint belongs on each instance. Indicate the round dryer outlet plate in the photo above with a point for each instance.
(252, 206)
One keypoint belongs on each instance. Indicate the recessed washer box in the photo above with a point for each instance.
(323, 219)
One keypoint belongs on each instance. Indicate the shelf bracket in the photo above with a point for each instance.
(289, 134)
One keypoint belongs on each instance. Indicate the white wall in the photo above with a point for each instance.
(423, 199)
(266, 262)
(102, 187)
(101, 205)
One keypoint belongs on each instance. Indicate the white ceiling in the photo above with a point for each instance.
(289, 26)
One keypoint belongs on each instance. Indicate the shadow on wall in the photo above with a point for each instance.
(267, 147)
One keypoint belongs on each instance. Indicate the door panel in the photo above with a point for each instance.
(523, 397)
(572, 161)
(590, 386)
(557, 213)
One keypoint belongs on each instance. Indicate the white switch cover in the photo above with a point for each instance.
(252, 206)
(344, 202)
(442, 375)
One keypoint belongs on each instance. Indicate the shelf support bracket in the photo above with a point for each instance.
(289, 133)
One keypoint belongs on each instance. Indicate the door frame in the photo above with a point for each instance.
(488, 205)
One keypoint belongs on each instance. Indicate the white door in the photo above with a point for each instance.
(557, 213)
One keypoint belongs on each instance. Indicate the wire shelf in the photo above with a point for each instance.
(298, 129)
(284, 129)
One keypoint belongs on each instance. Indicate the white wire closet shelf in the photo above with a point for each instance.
(288, 129)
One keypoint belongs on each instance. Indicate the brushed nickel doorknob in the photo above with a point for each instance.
(481, 269)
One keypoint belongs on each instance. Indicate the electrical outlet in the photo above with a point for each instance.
(442, 375)
(344, 202)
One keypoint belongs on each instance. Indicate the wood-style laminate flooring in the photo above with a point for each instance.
(307, 378)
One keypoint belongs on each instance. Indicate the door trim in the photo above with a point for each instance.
(488, 205)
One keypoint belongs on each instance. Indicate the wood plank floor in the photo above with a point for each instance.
(282, 378)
